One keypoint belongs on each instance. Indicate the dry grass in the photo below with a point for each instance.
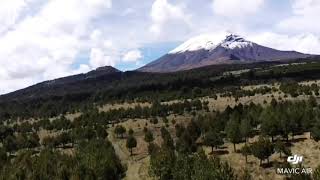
(304, 146)
(125, 105)
(138, 165)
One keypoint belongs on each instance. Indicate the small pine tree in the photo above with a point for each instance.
(233, 132)
(179, 129)
(280, 148)
(213, 139)
(101, 132)
(148, 137)
(262, 149)
(315, 131)
(131, 143)
(130, 132)
(120, 130)
(269, 124)
(246, 150)
(245, 128)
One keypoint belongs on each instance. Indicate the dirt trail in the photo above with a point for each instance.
(134, 164)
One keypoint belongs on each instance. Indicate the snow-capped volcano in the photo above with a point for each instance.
(207, 50)
(235, 41)
(210, 42)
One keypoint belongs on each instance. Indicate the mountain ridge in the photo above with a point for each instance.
(192, 55)
(78, 82)
(203, 51)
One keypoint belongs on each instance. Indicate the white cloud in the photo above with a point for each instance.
(132, 56)
(163, 12)
(103, 51)
(236, 8)
(44, 44)
(305, 18)
(99, 58)
(306, 43)
(41, 40)
(10, 85)
(9, 12)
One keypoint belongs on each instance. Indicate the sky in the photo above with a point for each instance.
(47, 39)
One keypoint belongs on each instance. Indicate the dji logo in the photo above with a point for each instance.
(295, 159)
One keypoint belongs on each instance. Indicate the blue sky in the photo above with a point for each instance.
(46, 39)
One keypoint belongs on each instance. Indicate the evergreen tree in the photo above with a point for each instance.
(101, 132)
(280, 148)
(148, 137)
(179, 129)
(245, 128)
(262, 149)
(213, 138)
(185, 143)
(167, 139)
(162, 163)
(194, 130)
(233, 132)
(284, 125)
(120, 130)
(130, 132)
(131, 143)
(315, 131)
(269, 124)
(246, 150)
(96, 158)
(295, 120)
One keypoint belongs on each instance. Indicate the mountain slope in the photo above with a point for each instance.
(67, 85)
(203, 51)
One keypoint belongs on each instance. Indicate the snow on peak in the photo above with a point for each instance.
(209, 42)
(206, 42)
(234, 41)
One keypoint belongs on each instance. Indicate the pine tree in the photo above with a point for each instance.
(269, 124)
(213, 138)
(315, 130)
(130, 132)
(280, 148)
(246, 150)
(148, 137)
(131, 143)
(120, 130)
(246, 128)
(233, 132)
(262, 149)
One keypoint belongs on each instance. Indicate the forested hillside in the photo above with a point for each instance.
(221, 122)
(52, 98)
